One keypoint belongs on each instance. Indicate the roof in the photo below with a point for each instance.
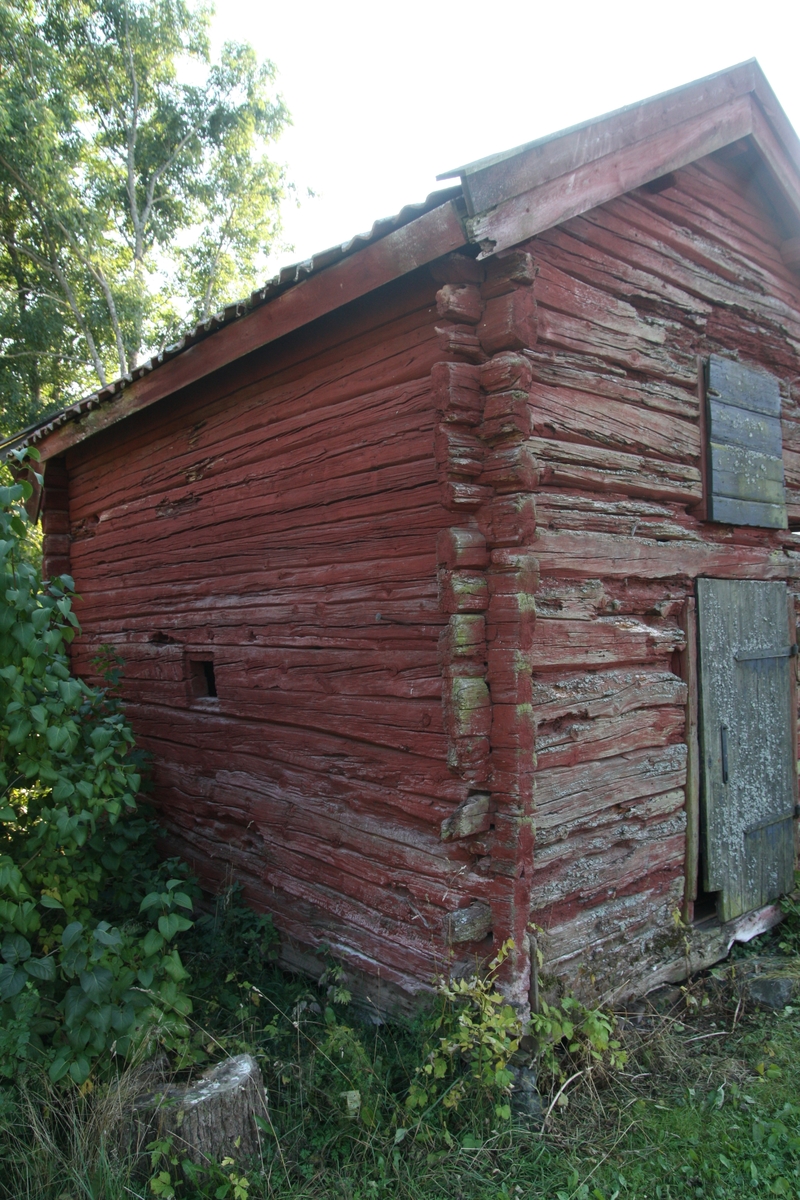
(689, 99)
(501, 201)
(523, 191)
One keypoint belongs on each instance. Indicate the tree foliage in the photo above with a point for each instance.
(136, 187)
(75, 991)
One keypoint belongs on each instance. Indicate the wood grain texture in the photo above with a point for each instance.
(689, 670)
(488, 183)
(55, 515)
(430, 236)
(629, 295)
(745, 449)
(300, 557)
(602, 180)
(748, 742)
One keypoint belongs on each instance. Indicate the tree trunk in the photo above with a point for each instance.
(210, 1119)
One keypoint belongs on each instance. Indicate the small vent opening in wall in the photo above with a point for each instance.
(203, 679)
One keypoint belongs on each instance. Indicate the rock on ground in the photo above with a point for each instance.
(770, 982)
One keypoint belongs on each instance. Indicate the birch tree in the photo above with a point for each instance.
(137, 190)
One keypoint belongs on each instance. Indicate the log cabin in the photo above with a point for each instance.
(455, 571)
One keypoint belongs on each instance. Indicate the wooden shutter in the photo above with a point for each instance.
(748, 742)
(745, 448)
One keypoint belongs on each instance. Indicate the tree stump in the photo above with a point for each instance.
(210, 1119)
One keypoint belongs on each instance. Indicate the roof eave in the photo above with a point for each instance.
(437, 232)
(492, 181)
(509, 198)
(552, 181)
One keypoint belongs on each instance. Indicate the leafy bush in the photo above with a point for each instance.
(478, 1032)
(74, 990)
(708, 1106)
(585, 1033)
(228, 944)
(479, 1035)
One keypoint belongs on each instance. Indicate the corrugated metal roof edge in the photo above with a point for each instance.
(288, 277)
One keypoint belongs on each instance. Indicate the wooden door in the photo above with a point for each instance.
(748, 742)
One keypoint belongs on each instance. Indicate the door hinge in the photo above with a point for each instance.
(784, 652)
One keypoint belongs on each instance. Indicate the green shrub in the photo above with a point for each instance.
(582, 1036)
(477, 1034)
(75, 991)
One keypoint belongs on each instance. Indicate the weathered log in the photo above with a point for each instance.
(460, 302)
(458, 452)
(509, 322)
(470, 818)
(463, 637)
(605, 693)
(564, 413)
(461, 548)
(456, 392)
(509, 520)
(790, 253)
(506, 272)
(599, 469)
(469, 924)
(606, 737)
(506, 371)
(462, 591)
(467, 707)
(506, 415)
(325, 770)
(460, 341)
(457, 268)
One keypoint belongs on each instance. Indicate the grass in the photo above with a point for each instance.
(707, 1105)
(693, 1115)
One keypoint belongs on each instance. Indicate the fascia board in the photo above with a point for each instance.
(492, 182)
(603, 179)
(776, 118)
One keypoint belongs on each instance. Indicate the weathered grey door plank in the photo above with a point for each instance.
(746, 718)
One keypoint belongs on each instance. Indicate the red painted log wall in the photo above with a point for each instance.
(439, 547)
(281, 520)
(628, 296)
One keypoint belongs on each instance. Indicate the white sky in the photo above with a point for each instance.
(386, 96)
